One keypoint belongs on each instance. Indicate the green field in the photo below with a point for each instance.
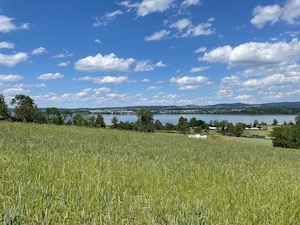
(76, 175)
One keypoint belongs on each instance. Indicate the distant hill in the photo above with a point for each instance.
(224, 108)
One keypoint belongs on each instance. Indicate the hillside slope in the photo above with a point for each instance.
(73, 175)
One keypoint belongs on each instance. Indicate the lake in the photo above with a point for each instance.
(173, 118)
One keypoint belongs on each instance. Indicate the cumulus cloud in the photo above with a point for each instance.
(187, 29)
(101, 62)
(50, 76)
(188, 87)
(272, 80)
(38, 51)
(289, 13)
(104, 80)
(199, 30)
(181, 24)
(63, 55)
(108, 17)
(63, 64)
(187, 3)
(188, 80)
(12, 60)
(146, 65)
(263, 15)
(14, 91)
(153, 88)
(200, 50)
(151, 6)
(254, 54)
(158, 35)
(101, 90)
(10, 78)
(7, 25)
(198, 69)
(243, 97)
(98, 41)
(5, 44)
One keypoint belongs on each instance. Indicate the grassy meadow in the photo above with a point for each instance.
(77, 175)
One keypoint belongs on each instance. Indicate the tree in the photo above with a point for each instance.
(255, 124)
(169, 126)
(25, 109)
(286, 136)
(158, 125)
(193, 122)
(3, 109)
(145, 120)
(183, 125)
(275, 122)
(239, 129)
(54, 116)
(297, 120)
(100, 121)
(79, 120)
(114, 122)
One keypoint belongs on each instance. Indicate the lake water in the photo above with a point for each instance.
(173, 118)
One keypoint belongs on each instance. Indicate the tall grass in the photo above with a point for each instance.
(76, 175)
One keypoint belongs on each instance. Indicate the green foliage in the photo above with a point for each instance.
(145, 120)
(287, 136)
(26, 110)
(158, 125)
(54, 116)
(79, 175)
(170, 126)
(79, 120)
(100, 121)
(183, 125)
(3, 109)
(275, 122)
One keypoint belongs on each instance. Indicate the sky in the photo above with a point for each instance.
(102, 53)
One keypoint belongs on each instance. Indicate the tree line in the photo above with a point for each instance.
(25, 110)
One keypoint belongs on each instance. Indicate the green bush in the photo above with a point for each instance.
(287, 136)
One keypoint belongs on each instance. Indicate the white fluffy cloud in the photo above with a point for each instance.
(146, 65)
(101, 62)
(198, 69)
(50, 76)
(272, 80)
(63, 55)
(150, 6)
(188, 87)
(200, 50)
(153, 88)
(158, 35)
(289, 13)
(12, 60)
(254, 54)
(263, 15)
(187, 3)
(108, 17)
(5, 44)
(243, 97)
(10, 78)
(38, 51)
(7, 25)
(104, 80)
(181, 24)
(199, 30)
(63, 64)
(188, 80)
(187, 29)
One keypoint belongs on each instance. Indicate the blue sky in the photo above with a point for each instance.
(149, 52)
